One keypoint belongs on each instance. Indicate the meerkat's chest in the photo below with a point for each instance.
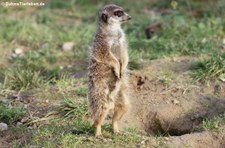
(117, 45)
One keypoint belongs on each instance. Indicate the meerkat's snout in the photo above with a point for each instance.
(126, 18)
(122, 16)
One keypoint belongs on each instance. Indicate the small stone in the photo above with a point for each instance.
(176, 102)
(67, 46)
(3, 126)
(19, 123)
(166, 138)
(25, 119)
(18, 51)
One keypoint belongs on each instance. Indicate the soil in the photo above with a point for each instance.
(166, 102)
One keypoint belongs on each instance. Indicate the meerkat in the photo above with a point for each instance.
(107, 70)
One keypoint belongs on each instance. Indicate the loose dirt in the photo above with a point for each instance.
(165, 101)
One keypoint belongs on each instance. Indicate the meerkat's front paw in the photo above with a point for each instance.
(117, 73)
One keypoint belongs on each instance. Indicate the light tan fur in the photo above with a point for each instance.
(108, 79)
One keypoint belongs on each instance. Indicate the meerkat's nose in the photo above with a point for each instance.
(129, 17)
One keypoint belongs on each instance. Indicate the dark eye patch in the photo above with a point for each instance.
(118, 13)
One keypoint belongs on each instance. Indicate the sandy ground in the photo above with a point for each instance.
(165, 101)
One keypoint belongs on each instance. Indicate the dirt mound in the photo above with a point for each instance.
(198, 140)
(166, 102)
(194, 140)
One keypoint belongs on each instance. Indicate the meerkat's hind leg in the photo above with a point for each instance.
(99, 121)
(121, 107)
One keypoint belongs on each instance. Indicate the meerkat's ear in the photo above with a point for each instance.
(104, 17)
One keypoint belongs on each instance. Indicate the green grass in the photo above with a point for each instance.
(62, 136)
(72, 108)
(69, 128)
(215, 123)
(211, 68)
(21, 79)
(11, 115)
(82, 92)
(160, 142)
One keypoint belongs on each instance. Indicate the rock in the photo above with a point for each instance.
(24, 120)
(19, 123)
(166, 138)
(18, 51)
(3, 126)
(67, 46)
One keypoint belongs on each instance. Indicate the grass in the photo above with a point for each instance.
(23, 79)
(215, 123)
(11, 115)
(65, 138)
(82, 92)
(210, 68)
(160, 142)
(48, 71)
(72, 108)
(69, 128)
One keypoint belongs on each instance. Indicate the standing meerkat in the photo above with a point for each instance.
(108, 79)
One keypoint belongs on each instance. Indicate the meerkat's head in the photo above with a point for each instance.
(113, 15)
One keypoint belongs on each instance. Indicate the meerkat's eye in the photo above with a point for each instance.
(118, 13)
